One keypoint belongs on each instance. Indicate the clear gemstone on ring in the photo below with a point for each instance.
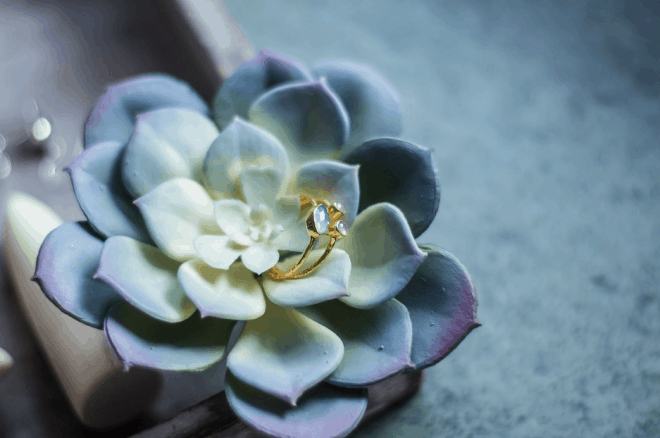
(338, 206)
(321, 219)
(341, 228)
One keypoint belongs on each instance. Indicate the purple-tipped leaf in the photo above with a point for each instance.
(97, 184)
(442, 302)
(308, 118)
(402, 174)
(66, 263)
(113, 116)
(192, 345)
(377, 341)
(372, 103)
(253, 78)
(323, 412)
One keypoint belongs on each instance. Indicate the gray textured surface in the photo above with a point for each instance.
(544, 121)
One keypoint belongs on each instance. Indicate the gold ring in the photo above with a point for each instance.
(323, 220)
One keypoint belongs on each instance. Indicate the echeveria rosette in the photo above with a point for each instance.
(185, 215)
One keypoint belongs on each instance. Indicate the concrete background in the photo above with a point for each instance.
(544, 119)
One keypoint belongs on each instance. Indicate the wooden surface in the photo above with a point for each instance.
(214, 418)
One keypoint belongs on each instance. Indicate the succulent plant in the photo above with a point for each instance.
(185, 216)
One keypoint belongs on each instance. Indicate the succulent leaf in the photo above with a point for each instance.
(284, 353)
(384, 256)
(113, 115)
(442, 302)
(176, 212)
(192, 345)
(145, 277)
(97, 184)
(239, 145)
(377, 341)
(219, 252)
(373, 105)
(166, 143)
(327, 282)
(332, 181)
(323, 412)
(261, 185)
(259, 258)
(402, 174)
(65, 268)
(229, 294)
(253, 78)
(308, 118)
(294, 235)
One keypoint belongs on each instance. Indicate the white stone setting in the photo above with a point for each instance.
(321, 219)
(341, 228)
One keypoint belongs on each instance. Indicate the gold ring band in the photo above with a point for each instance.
(323, 220)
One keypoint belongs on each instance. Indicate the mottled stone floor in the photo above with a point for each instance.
(543, 117)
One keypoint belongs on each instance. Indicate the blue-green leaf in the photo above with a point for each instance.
(384, 256)
(176, 212)
(97, 183)
(294, 236)
(266, 70)
(442, 302)
(239, 145)
(327, 282)
(402, 174)
(167, 143)
(308, 118)
(284, 353)
(373, 105)
(331, 181)
(261, 185)
(145, 277)
(377, 341)
(192, 345)
(66, 264)
(323, 412)
(113, 116)
(229, 294)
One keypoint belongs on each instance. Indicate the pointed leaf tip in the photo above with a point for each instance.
(442, 302)
(373, 105)
(323, 412)
(400, 173)
(284, 353)
(308, 118)
(66, 263)
(380, 337)
(194, 344)
(384, 256)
